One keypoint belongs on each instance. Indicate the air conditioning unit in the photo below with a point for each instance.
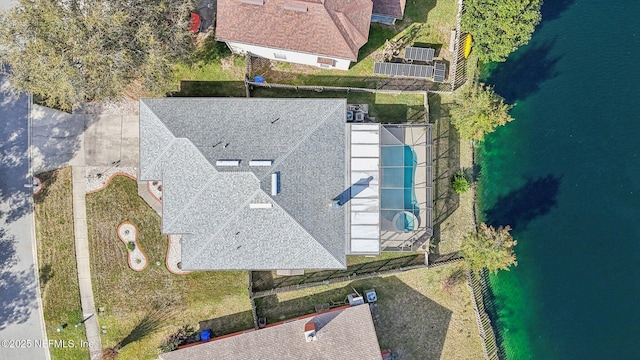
(349, 115)
(359, 117)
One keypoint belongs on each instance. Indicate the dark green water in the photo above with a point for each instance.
(566, 176)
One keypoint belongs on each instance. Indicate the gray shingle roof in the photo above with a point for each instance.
(342, 334)
(181, 139)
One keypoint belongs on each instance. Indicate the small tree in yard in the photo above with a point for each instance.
(489, 248)
(500, 26)
(478, 110)
(460, 183)
(67, 52)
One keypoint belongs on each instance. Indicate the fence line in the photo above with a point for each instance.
(476, 283)
(319, 88)
(254, 311)
(364, 276)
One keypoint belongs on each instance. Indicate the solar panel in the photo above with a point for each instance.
(407, 70)
(420, 54)
(439, 72)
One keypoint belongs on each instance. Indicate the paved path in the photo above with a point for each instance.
(21, 315)
(92, 327)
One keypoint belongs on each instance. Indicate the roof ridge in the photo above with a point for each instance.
(294, 147)
(304, 229)
(344, 19)
(175, 139)
(286, 156)
(199, 192)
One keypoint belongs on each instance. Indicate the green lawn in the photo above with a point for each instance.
(422, 316)
(57, 263)
(426, 23)
(143, 307)
(212, 71)
(386, 108)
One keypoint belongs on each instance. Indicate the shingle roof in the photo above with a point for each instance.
(181, 140)
(335, 28)
(342, 334)
(392, 8)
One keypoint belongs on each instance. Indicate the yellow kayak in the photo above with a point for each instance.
(467, 46)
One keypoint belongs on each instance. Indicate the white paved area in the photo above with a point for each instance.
(21, 319)
(82, 258)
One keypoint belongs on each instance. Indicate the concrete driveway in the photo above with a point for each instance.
(61, 139)
(20, 306)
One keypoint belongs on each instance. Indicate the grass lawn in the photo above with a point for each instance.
(213, 71)
(142, 307)
(421, 316)
(453, 215)
(426, 23)
(57, 263)
(386, 108)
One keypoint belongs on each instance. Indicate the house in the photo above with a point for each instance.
(324, 33)
(284, 184)
(387, 11)
(342, 333)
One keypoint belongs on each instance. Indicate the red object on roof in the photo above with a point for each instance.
(195, 22)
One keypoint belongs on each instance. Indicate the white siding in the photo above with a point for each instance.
(291, 56)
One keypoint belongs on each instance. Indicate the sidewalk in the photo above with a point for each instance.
(84, 268)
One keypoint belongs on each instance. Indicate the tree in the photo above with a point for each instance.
(478, 110)
(489, 248)
(460, 183)
(69, 51)
(499, 27)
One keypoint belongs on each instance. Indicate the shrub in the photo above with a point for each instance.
(460, 183)
(131, 245)
(171, 342)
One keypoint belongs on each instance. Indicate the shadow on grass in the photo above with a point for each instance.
(383, 112)
(531, 67)
(519, 207)
(189, 88)
(151, 322)
(446, 162)
(264, 280)
(408, 322)
(47, 178)
(228, 324)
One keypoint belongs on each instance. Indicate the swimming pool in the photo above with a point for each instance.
(398, 202)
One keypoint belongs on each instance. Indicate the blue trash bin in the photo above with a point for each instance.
(205, 335)
(258, 79)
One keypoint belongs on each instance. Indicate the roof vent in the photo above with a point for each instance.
(253, 2)
(228, 163)
(275, 183)
(296, 6)
(310, 331)
(260, 206)
(260, 162)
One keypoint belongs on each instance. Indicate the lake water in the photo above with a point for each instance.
(566, 176)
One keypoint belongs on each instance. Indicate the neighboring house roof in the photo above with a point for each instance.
(391, 8)
(335, 28)
(181, 140)
(345, 333)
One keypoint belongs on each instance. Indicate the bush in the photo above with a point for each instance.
(131, 245)
(460, 183)
(180, 337)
